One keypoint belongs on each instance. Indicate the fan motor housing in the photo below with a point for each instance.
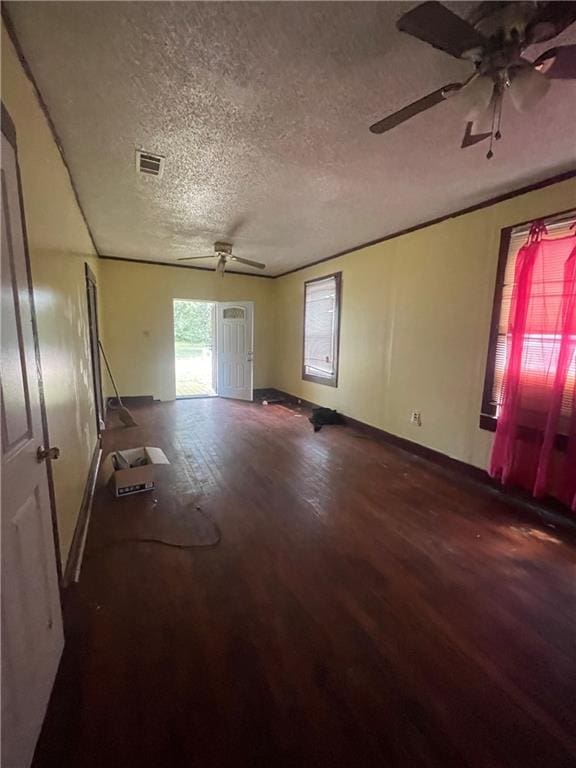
(225, 248)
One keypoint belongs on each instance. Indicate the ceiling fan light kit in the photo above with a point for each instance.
(476, 97)
(494, 40)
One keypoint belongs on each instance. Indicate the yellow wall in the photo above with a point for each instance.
(59, 246)
(137, 320)
(415, 323)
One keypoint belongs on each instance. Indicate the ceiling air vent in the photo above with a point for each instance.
(146, 162)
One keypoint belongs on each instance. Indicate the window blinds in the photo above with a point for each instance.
(321, 327)
(543, 330)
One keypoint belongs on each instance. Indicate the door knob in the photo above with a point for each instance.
(47, 453)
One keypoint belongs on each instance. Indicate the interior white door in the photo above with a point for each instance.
(32, 635)
(235, 350)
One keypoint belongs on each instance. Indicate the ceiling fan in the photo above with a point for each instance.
(223, 252)
(493, 39)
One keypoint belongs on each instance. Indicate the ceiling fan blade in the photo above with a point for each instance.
(433, 23)
(249, 262)
(192, 258)
(558, 63)
(426, 102)
(550, 19)
(471, 138)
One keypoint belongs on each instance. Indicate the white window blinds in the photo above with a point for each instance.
(321, 322)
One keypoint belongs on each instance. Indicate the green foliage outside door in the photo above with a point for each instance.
(193, 322)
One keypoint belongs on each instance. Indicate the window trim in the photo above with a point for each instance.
(331, 381)
(488, 420)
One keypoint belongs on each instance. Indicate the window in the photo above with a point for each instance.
(322, 329)
(233, 313)
(543, 333)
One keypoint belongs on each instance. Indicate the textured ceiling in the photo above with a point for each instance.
(262, 111)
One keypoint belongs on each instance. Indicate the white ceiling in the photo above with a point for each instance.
(262, 111)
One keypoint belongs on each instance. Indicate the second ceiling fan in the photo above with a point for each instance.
(493, 40)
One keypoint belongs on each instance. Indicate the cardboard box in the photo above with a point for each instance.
(133, 479)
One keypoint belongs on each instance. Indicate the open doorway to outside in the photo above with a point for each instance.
(194, 334)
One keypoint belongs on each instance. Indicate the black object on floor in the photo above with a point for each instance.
(322, 416)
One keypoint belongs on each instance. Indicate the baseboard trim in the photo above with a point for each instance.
(548, 510)
(266, 393)
(74, 563)
(131, 400)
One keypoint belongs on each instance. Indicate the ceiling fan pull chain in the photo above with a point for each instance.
(498, 134)
(490, 154)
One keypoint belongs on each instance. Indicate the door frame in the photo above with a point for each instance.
(9, 131)
(94, 332)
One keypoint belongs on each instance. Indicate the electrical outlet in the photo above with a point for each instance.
(416, 418)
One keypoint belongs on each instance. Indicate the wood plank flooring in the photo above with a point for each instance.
(364, 608)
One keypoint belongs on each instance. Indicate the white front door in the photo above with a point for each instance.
(32, 636)
(235, 350)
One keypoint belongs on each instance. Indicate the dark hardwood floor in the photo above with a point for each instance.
(364, 608)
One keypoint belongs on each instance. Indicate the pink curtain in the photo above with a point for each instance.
(535, 441)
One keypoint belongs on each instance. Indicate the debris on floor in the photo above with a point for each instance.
(132, 470)
(270, 397)
(323, 416)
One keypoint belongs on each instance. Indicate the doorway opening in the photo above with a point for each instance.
(194, 347)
